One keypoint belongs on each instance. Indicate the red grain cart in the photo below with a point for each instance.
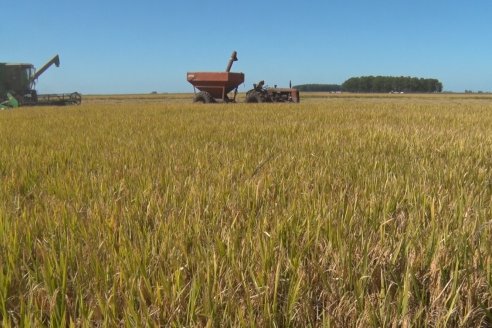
(215, 86)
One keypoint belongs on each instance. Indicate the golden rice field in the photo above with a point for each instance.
(341, 211)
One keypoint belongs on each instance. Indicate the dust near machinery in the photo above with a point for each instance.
(17, 86)
(215, 86)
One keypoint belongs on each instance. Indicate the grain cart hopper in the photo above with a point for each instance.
(17, 85)
(259, 94)
(214, 86)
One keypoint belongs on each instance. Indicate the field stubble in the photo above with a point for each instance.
(341, 211)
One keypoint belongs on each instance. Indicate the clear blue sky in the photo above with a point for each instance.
(109, 46)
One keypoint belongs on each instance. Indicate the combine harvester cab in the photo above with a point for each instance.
(215, 86)
(17, 87)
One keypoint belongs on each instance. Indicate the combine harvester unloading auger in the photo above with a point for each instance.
(17, 87)
(215, 86)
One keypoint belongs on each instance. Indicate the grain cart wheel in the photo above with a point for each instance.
(254, 97)
(204, 97)
(75, 98)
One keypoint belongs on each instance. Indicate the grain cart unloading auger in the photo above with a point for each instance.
(17, 87)
(215, 86)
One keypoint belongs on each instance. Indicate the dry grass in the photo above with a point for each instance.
(341, 211)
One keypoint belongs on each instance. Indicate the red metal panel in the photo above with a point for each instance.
(217, 84)
(294, 93)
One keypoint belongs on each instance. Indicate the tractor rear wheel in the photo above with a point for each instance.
(254, 97)
(204, 97)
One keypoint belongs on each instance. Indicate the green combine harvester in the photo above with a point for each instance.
(17, 87)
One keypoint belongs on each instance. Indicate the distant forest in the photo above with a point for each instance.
(391, 83)
(378, 84)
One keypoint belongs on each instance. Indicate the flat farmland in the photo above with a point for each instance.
(343, 210)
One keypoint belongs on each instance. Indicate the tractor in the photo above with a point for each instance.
(17, 86)
(260, 94)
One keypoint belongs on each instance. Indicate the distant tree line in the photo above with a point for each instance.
(377, 84)
(318, 87)
(391, 83)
